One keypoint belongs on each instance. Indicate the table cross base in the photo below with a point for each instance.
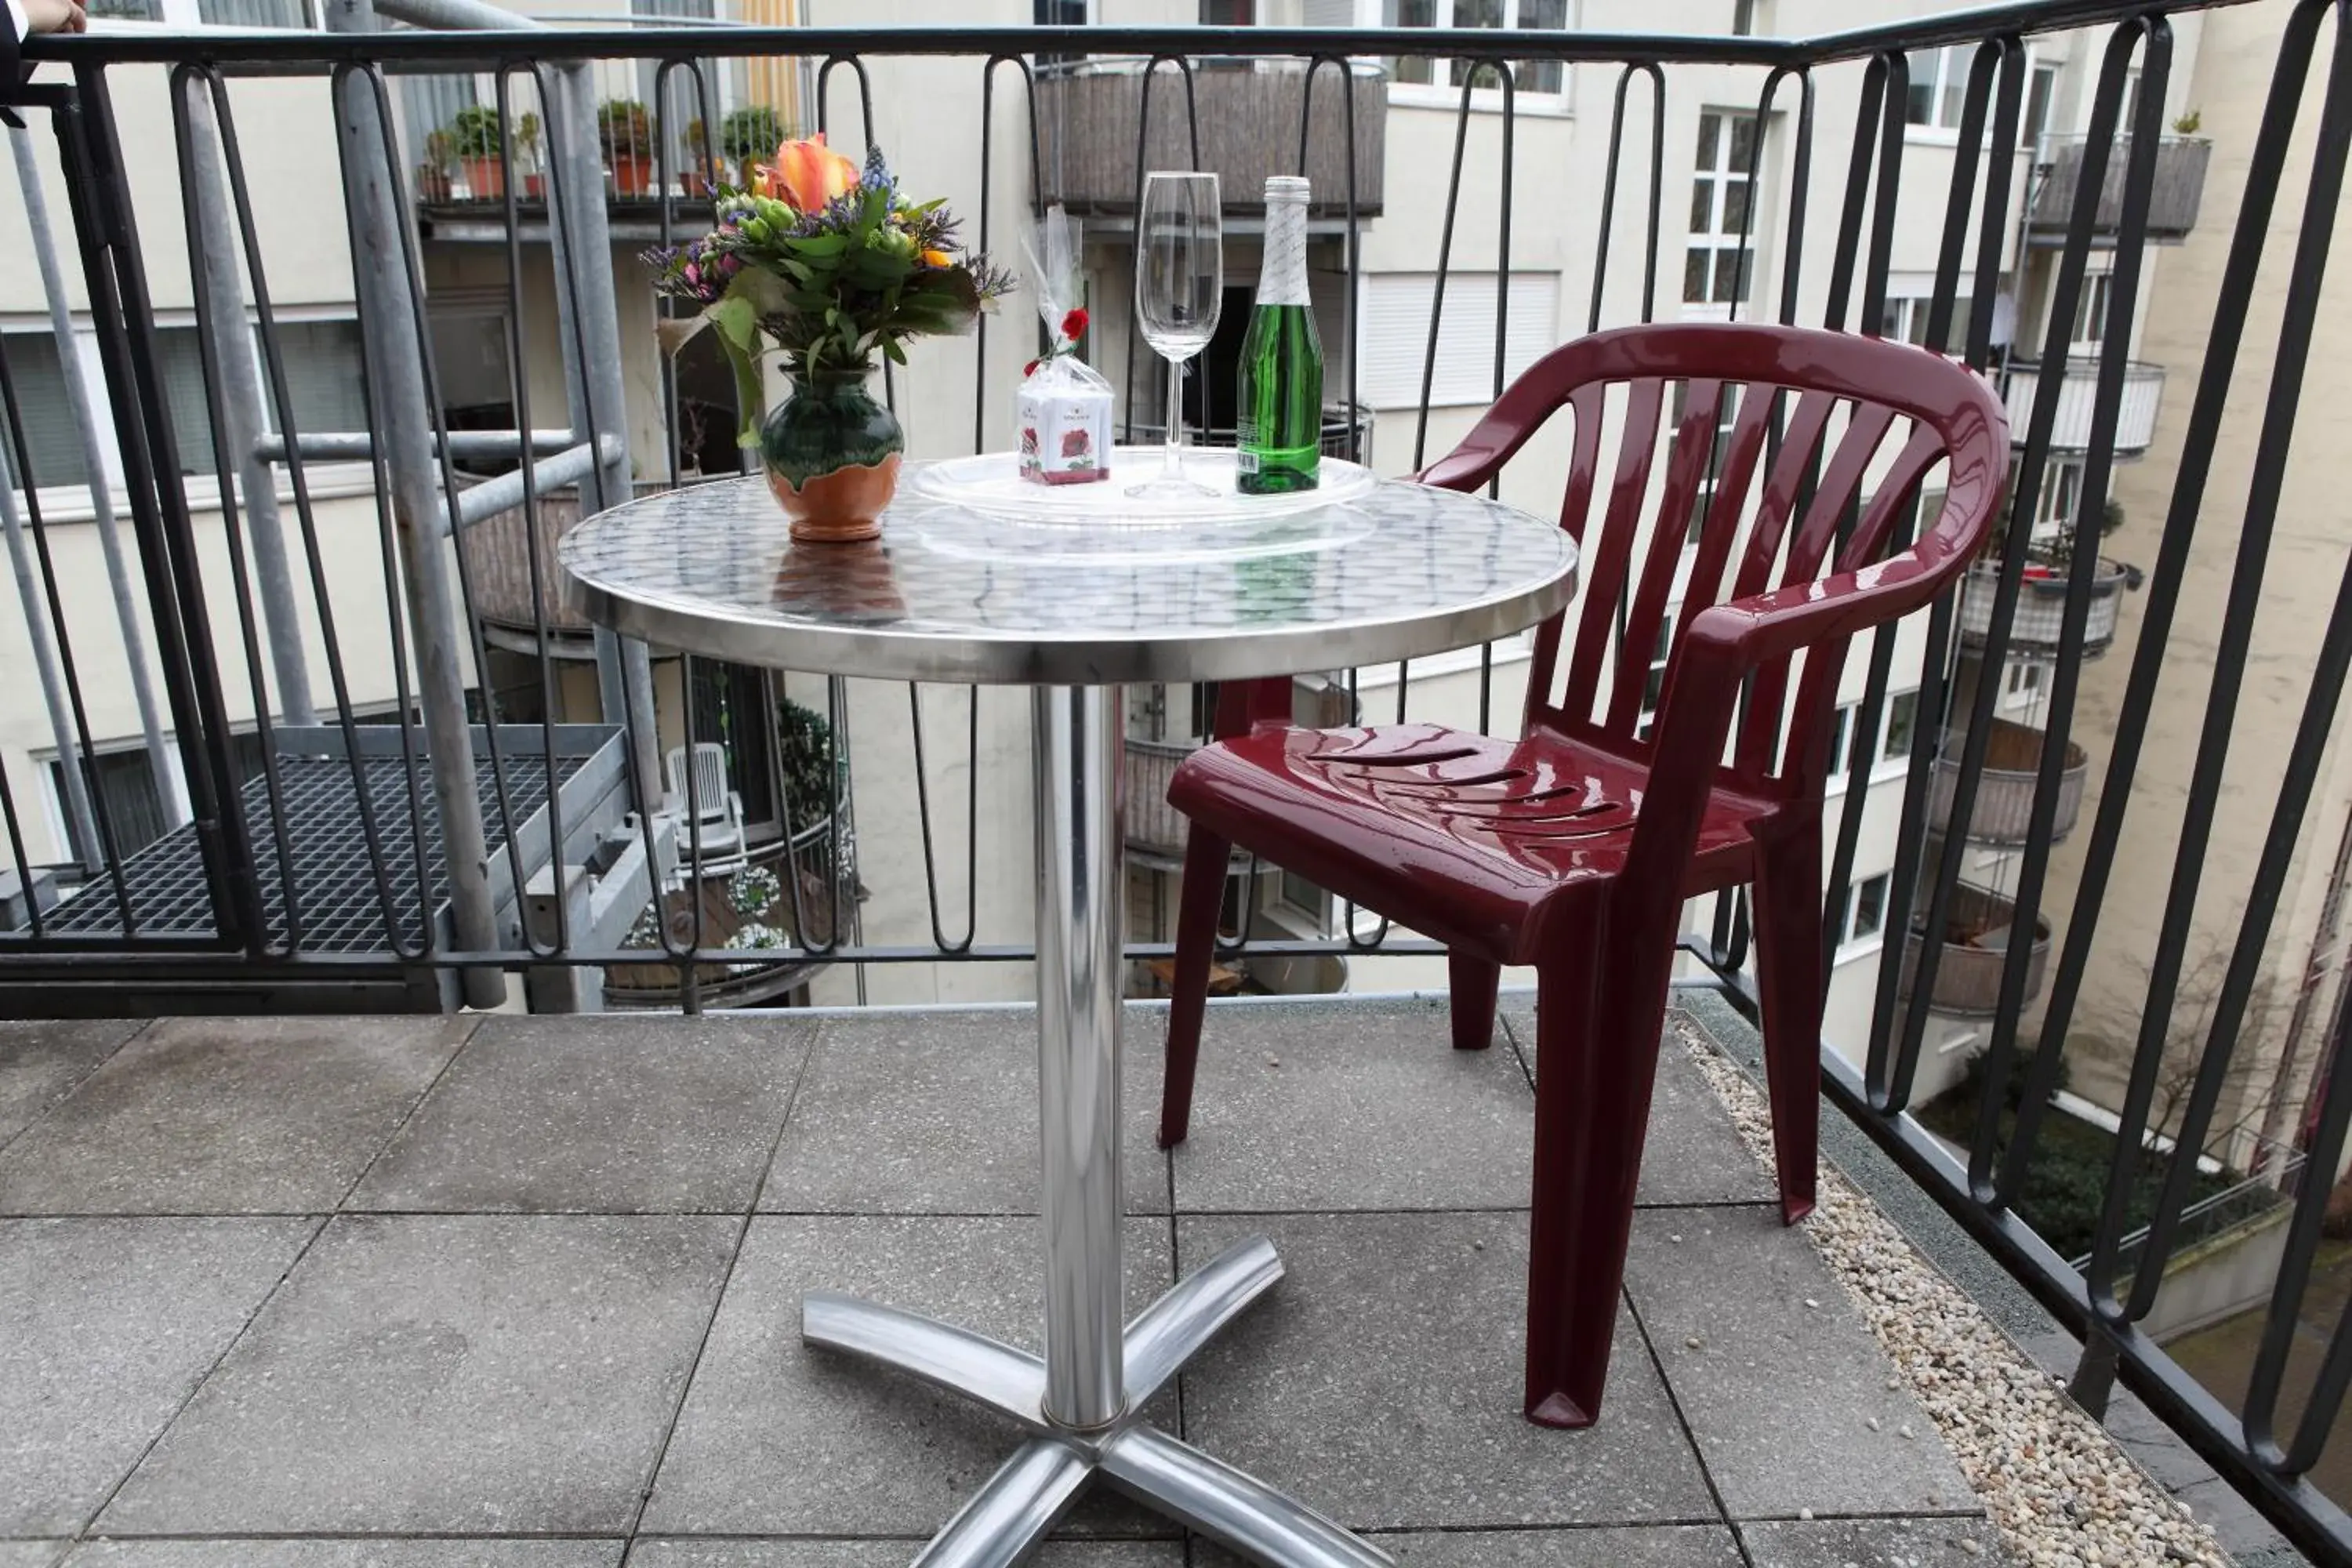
(1008, 1517)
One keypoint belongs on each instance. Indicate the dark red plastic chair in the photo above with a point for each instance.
(1573, 848)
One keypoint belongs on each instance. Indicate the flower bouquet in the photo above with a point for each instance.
(831, 264)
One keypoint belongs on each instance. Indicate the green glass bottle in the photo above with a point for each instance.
(1280, 425)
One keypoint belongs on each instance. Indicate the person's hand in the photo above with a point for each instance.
(56, 17)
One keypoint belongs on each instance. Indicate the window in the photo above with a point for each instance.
(1546, 78)
(1393, 335)
(2061, 493)
(1718, 264)
(1228, 13)
(126, 803)
(1655, 687)
(1726, 414)
(1743, 18)
(1902, 718)
(208, 13)
(2022, 683)
(1899, 718)
(1904, 319)
(2041, 96)
(1938, 85)
(322, 374)
(1865, 909)
(52, 436)
(2091, 314)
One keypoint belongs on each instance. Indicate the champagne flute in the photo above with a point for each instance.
(1180, 284)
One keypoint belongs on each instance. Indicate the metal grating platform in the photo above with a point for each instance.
(336, 897)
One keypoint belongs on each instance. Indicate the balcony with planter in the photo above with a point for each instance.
(2003, 812)
(1247, 113)
(1978, 934)
(2178, 189)
(2035, 633)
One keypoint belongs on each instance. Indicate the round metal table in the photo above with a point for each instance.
(954, 591)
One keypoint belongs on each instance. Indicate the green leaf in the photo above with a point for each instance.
(738, 336)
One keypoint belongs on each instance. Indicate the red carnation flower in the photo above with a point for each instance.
(1073, 325)
(1030, 369)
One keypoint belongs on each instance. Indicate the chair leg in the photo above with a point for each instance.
(1596, 1055)
(1788, 979)
(1474, 981)
(1202, 895)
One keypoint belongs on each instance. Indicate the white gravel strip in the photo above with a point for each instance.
(2055, 1485)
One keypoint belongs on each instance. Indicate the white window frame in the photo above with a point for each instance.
(1447, 93)
(1947, 87)
(1720, 171)
(1913, 310)
(2060, 498)
(1662, 654)
(2097, 303)
(187, 16)
(1851, 944)
(73, 503)
(2021, 686)
(1890, 763)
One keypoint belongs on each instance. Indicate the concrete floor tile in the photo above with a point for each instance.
(676, 1552)
(1641, 1546)
(776, 1439)
(1693, 1153)
(32, 1554)
(937, 1113)
(1319, 1107)
(348, 1553)
(1784, 1383)
(228, 1116)
(41, 1059)
(445, 1375)
(1380, 1383)
(105, 1327)
(1873, 1543)
(613, 1115)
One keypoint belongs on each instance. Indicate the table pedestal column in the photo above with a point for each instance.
(1080, 1403)
(1078, 751)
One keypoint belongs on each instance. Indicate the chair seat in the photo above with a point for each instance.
(1467, 838)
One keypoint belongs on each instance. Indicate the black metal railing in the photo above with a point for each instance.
(392, 623)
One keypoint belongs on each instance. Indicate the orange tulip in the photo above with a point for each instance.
(806, 176)
(937, 258)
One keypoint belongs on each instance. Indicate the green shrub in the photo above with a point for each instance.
(750, 133)
(474, 132)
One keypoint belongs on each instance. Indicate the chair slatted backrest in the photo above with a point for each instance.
(709, 778)
(1797, 453)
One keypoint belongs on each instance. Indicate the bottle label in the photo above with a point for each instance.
(1244, 461)
(1282, 278)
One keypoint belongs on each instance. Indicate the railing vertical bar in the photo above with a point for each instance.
(226, 462)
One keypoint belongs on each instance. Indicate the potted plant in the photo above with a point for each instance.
(693, 179)
(832, 265)
(2036, 630)
(526, 141)
(476, 136)
(747, 137)
(627, 134)
(433, 173)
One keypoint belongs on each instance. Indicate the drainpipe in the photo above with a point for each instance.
(379, 266)
(101, 495)
(45, 662)
(242, 419)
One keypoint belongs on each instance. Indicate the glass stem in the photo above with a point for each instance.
(1173, 468)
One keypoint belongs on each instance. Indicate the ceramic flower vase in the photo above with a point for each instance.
(832, 456)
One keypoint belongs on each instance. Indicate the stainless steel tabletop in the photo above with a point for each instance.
(955, 593)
